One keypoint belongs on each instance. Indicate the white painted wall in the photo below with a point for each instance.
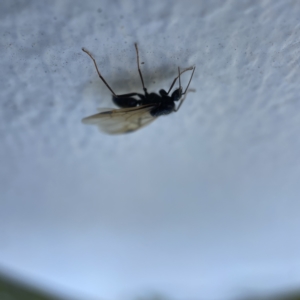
(201, 204)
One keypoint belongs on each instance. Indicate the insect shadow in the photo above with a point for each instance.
(137, 109)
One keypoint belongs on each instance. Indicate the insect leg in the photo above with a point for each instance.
(138, 64)
(188, 69)
(91, 56)
(180, 88)
(181, 101)
(185, 92)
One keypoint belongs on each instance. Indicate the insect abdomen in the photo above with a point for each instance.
(125, 102)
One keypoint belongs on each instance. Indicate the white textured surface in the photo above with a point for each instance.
(201, 204)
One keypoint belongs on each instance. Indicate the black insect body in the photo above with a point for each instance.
(163, 105)
(135, 113)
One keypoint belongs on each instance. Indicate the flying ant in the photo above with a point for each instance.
(137, 113)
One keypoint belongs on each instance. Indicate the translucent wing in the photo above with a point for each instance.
(117, 121)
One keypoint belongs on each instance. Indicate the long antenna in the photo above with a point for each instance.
(189, 81)
(176, 109)
(187, 69)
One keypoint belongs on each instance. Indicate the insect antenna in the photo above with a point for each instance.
(189, 81)
(184, 93)
(138, 64)
(91, 56)
(187, 69)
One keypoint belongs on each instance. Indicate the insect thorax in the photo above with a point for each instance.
(164, 108)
